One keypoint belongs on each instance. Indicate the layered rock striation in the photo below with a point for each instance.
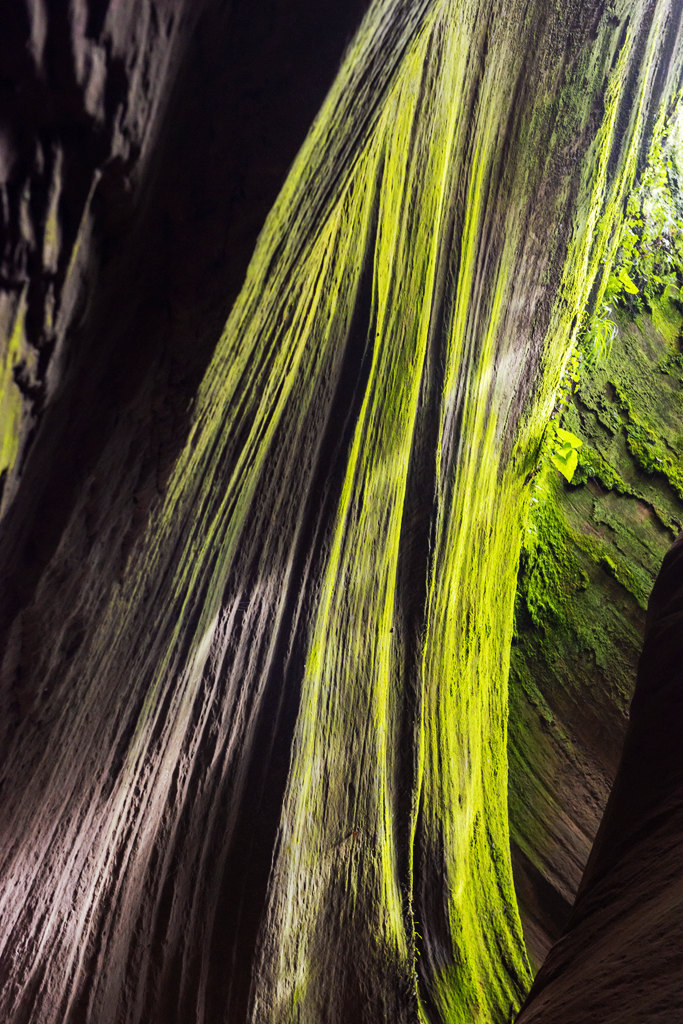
(592, 552)
(617, 959)
(260, 582)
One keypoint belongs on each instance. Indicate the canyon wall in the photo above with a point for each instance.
(616, 960)
(593, 549)
(265, 480)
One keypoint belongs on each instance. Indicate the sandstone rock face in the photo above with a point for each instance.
(84, 93)
(592, 553)
(143, 147)
(264, 485)
(617, 960)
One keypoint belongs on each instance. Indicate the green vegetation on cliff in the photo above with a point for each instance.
(422, 222)
(290, 746)
(592, 551)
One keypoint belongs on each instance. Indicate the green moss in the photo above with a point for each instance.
(666, 317)
(14, 351)
(417, 189)
(649, 450)
(593, 465)
(591, 553)
(552, 571)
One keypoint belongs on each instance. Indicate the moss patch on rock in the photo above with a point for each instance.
(592, 551)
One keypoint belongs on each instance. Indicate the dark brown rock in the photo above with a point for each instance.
(618, 960)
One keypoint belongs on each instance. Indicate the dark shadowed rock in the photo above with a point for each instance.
(618, 960)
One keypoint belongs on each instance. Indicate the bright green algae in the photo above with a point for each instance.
(14, 354)
(592, 552)
(454, 255)
(469, 191)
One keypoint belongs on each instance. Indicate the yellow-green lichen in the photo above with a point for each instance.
(380, 389)
(11, 401)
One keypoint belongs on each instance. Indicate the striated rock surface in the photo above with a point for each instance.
(143, 145)
(593, 550)
(258, 584)
(618, 959)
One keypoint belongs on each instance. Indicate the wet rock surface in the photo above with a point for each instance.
(145, 145)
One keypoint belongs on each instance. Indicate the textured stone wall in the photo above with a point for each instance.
(593, 551)
(617, 960)
(261, 530)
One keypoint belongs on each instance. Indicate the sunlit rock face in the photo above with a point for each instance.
(616, 961)
(264, 496)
